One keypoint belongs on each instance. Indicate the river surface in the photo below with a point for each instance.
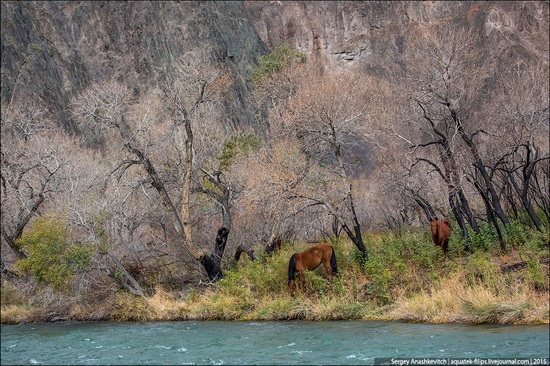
(255, 343)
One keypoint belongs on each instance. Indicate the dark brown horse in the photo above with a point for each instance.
(441, 231)
(309, 260)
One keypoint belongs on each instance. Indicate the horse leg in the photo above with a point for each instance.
(292, 287)
(445, 247)
(328, 269)
(302, 279)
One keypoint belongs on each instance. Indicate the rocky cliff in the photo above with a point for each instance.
(52, 50)
(374, 34)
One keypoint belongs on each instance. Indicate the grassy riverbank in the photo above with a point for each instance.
(405, 279)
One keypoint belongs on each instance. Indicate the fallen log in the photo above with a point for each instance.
(520, 265)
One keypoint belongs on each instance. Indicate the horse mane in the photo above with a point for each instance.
(292, 268)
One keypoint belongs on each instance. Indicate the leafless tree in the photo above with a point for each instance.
(445, 79)
(523, 130)
(321, 125)
(158, 135)
(35, 159)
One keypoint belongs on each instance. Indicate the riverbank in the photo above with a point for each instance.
(405, 279)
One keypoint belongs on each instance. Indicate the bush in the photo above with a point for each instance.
(282, 57)
(486, 239)
(51, 259)
(238, 145)
(380, 277)
(519, 234)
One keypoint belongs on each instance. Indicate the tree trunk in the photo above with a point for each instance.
(459, 216)
(356, 236)
(336, 228)
(543, 200)
(494, 202)
(491, 214)
(159, 186)
(11, 243)
(129, 281)
(522, 193)
(527, 173)
(212, 263)
(467, 211)
(186, 185)
(425, 206)
(22, 223)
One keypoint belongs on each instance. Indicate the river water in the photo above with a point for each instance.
(255, 343)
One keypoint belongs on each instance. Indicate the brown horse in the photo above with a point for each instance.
(441, 231)
(309, 260)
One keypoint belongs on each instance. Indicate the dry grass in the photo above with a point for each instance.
(15, 314)
(453, 300)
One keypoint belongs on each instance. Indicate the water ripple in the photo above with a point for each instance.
(253, 343)
(287, 345)
(300, 352)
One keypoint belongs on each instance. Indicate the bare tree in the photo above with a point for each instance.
(35, 157)
(322, 122)
(523, 130)
(166, 151)
(446, 77)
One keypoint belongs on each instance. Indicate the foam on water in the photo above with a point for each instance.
(287, 345)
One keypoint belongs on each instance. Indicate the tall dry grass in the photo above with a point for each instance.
(455, 300)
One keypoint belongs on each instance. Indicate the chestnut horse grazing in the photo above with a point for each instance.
(309, 260)
(441, 231)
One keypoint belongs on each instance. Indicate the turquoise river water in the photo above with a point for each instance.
(270, 343)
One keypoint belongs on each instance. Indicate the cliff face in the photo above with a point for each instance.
(52, 50)
(374, 34)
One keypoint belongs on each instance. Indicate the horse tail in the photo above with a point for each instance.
(291, 269)
(333, 265)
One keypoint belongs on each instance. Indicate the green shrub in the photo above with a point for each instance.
(265, 275)
(480, 268)
(486, 239)
(380, 276)
(535, 275)
(237, 145)
(282, 57)
(519, 234)
(51, 258)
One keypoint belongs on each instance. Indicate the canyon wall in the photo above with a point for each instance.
(53, 50)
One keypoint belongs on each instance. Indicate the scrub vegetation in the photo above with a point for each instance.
(406, 278)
